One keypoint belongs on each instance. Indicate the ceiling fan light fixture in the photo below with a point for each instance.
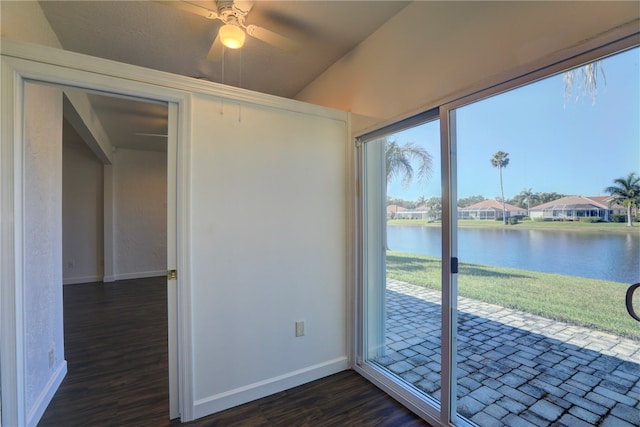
(231, 36)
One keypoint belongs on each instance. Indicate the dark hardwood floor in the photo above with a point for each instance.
(115, 337)
(344, 399)
(116, 350)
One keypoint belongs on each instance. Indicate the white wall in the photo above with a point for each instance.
(24, 20)
(82, 211)
(45, 365)
(43, 290)
(434, 51)
(139, 214)
(136, 208)
(268, 224)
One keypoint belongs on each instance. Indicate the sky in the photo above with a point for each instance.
(573, 147)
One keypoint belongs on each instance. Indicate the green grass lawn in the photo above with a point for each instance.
(599, 227)
(596, 304)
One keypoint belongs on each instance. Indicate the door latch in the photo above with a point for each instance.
(454, 265)
(172, 275)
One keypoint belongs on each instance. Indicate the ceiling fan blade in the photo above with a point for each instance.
(243, 6)
(274, 39)
(191, 8)
(216, 51)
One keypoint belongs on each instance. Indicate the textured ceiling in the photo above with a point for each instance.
(153, 35)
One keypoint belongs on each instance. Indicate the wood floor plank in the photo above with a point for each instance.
(116, 350)
(343, 399)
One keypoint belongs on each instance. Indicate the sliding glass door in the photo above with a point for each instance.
(543, 334)
(498, 236)
(402, 252)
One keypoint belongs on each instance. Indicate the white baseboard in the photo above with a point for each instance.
(136, 275)
(113, 278)
(40, 405)
(219, 402)
(77, 280)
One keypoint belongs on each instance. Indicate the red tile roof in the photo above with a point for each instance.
(600, 202)
(492, 204)
(395, 208)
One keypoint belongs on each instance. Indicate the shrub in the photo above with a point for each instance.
(590, 219)
(541, 219)
(618, 218)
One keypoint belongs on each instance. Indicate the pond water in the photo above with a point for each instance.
(614, 257)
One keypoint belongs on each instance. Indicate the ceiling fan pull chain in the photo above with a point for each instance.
(240, 85)
(222, 99)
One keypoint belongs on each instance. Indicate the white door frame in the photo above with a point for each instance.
(24, 62)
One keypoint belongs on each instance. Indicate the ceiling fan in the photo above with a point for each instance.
(232, 34)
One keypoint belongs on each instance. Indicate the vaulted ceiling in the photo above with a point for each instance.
(155, 35)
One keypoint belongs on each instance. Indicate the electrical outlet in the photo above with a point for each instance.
(51, 359)
(300, 328)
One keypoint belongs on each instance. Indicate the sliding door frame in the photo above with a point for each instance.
(378, 376)
(445, 414)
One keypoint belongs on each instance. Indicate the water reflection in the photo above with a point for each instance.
(612, 257)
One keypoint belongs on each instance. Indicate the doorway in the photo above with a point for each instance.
(35, 366)
(115, 316)
(114, 207)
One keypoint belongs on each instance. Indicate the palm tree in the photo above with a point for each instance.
(587, 81)
(400, 159)
(626, 191)
(529, 196)
(500, 160)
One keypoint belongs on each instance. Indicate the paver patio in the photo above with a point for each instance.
(514, 368)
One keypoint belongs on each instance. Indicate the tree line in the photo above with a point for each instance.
(400, 160)
(520, 200)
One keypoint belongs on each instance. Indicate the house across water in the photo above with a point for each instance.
(576, 207)
(490, 209)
